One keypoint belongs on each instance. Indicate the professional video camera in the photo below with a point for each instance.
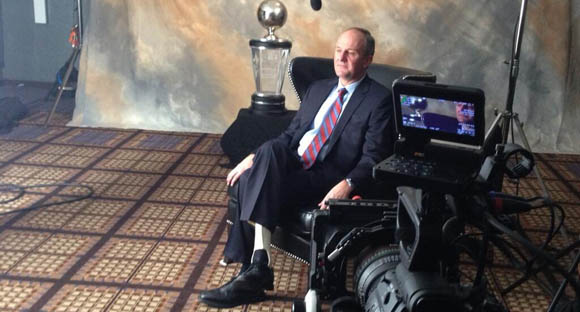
(408, 253)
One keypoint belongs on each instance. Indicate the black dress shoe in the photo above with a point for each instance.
(247, 287)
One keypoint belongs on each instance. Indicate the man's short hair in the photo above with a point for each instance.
(369, 40)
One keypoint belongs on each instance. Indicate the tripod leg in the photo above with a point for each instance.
(64, 82)
(494, 127)
(518, 123)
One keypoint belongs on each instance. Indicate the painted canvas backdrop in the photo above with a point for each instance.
(184, 65)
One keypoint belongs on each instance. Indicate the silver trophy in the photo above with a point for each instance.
(270, 59)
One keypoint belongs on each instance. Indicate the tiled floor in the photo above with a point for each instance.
(150, 236)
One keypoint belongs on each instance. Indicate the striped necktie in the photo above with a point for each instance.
(324, 131)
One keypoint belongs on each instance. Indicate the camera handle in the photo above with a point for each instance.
(419, 224)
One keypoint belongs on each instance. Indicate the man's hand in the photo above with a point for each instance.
(340, 191)
(244, 165)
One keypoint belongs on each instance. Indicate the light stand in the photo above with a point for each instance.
(508, 118)
(71, 61)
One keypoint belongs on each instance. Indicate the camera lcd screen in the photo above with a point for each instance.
(438, 114)
(435, 111)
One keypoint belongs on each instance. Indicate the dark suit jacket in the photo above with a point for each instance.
(363, 135)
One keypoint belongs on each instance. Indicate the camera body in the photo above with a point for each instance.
(407, 256)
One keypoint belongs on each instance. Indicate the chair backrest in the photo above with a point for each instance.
(305, 70)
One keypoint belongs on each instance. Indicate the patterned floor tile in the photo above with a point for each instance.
(133, 192)
(127, 154)
(39, 159)
(170, 194)
(39, 118)
(126, 248)
(67, 207)
(210, 197)
(98, 189)
(526, 302)
(569, 172)
(162, 274)
(163, 142)
(505, 277)
(33, 133)
(209, 145)
(117, 261)
(43, 265)
(73, 298)
(20, 295)
(107, 270)
(157, 156)
(572, 212)
(192, 230)
(290, 284)
(91, 223)
(220, 172)
(94, 137)
(67, 244)
(138, 179)
(202, 214)
(24, 202)
(159, 211)
(8, 259)
(74, 161)
(194, 169)
(197, 159)
(11, 150)
(181, 182)
(5, 218)
(213, 184)
(45, 220)
(100, 176)
(217, 255)
(22, 171)
(39, 185)
(152, 166)
(26, 241)
(180, 252)
(145, 227)
(270, 306)
(108, 207)
(115, 164)
(16, 146)
(11, 180)
(143, 300)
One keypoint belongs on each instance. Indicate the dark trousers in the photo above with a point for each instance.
(273, 187)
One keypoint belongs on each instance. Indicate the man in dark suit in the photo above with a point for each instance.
(342, 129)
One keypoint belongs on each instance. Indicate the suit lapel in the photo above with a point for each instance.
(353, 104)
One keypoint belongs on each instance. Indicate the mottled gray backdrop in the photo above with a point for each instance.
(184, 65)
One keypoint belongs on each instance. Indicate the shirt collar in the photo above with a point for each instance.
(351, 87)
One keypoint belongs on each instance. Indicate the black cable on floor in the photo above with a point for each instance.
(21, 190)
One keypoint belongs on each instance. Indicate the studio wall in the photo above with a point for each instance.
(184, 65)
(35, 52)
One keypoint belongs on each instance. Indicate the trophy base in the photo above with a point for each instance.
(268, 104)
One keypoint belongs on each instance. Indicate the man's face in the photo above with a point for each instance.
(464, 112)
(350, 61)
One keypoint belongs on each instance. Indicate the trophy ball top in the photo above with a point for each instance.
(272, 14)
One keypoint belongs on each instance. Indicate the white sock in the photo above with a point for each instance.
(262, 240)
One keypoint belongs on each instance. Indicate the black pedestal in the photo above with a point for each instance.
(250, 130)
